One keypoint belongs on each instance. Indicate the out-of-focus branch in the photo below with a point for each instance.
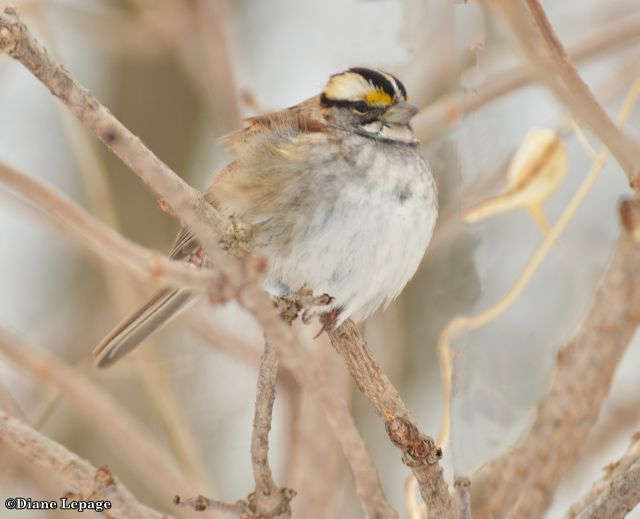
(462, 487)
(544, 50)
(196, 32)
(311, 441)
(617, 493)
(8, 404)
(353, 446)
(221, 340)
(419, 451)
(451, 108)
(114, 424)
(82, 480)
(212, 20)
(109, 245)
(521, 483)
(268, 500)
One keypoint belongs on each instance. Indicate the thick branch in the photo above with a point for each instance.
(521, 483)
(617, 493)
(111, 246)
(451, 108)
(544, 50)
(419, 451)
(82, 480)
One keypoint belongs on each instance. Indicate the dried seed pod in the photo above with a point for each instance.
(535, 172)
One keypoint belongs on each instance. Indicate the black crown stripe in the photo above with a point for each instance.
(376, 79)
(401, 87)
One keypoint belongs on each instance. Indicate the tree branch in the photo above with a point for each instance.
(145, 264)
(82, 480)
(617, 493)
(419, 451)
(451, 108)
(184, 201)
(544, 50)
(265, 397)
(201, 503)
(268, 500)
(521, 483)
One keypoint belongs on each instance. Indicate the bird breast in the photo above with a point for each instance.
(353, 221)
(340, 214)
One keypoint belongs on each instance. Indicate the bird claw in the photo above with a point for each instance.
(328, 321)
(304, 305)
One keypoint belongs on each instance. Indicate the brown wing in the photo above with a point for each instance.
(307, 117)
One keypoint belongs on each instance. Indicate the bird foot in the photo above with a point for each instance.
(304, 305)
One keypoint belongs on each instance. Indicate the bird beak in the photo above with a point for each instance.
(399, 113)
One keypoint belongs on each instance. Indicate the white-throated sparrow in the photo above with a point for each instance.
(339, 200)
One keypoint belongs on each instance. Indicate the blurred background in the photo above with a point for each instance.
(181, 73)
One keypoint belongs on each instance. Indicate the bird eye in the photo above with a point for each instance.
(361, 107)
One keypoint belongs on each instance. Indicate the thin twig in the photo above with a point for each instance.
(268, 500)
(201, 503)
(617, 493)
(419, 451)
(451, 108)
(146, 264)
(265, 397)
(544, 50)
(82, 480)
(521, 483)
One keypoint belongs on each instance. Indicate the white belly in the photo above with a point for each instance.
(366, 233)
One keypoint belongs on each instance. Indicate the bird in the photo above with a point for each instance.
(338, 197)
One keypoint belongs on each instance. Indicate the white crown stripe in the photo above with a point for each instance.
(393, 81)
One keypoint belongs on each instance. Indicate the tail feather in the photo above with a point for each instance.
(163, 306)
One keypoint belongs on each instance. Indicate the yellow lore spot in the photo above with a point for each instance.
(378, 97)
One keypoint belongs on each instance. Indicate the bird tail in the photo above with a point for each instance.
(162, 307)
